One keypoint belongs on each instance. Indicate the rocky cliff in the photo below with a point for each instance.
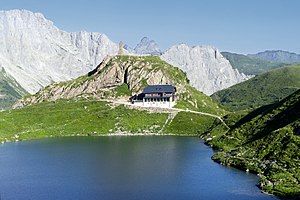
(206, 68)
(36, 53)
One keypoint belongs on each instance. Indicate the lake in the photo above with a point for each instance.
(114, 168)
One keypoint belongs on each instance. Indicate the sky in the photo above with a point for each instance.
(239, 26)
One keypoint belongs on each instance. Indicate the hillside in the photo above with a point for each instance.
(263, 89)
(250, 65)
(277, 56)
(120, 77)
(265, 141)
(10, 90)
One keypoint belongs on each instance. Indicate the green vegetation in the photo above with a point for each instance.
(82, 117)
(122, 90)
(192, 99)
(10, 90)
(264, 141)
(266, 88)
(249, 65)
(189, 123)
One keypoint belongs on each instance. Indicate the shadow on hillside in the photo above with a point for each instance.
(269, 124)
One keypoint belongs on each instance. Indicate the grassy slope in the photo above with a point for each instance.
(69, 117)
(265, 141)
(263, 89)
(10, 90)
(248, 65)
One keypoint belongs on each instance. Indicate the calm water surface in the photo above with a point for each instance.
(115, 168)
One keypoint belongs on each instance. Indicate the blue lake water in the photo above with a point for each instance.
(115, 168)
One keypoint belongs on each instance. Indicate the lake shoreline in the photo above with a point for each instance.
(118, 134)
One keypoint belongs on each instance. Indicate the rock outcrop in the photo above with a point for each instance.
(206, 68)
(36, 53)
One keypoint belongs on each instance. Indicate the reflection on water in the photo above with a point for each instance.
(161, 167)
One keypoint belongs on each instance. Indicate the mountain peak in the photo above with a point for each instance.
(145, 40)
(24, 15)
(147, 46)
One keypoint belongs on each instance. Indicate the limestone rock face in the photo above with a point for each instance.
(36, 53)
(206, 68)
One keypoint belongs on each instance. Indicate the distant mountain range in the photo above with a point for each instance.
(250, 65)
(253, 64)
(277, 56)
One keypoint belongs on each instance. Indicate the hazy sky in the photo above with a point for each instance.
(242, 26)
